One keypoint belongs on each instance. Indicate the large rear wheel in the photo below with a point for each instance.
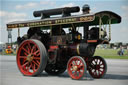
(97, 67)
(31, 57)
(76, 67)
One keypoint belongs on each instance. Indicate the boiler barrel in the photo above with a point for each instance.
(56, 11)
(82, 49)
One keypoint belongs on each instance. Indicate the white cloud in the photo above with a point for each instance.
(6, 17)
(2, 13)
(124, 30)
(125, 11)
(68, 5)
(27, 6)
(34, 5)
(48, 2)
(124, 7)
(10, 16)
(119, 33)
(94, 9)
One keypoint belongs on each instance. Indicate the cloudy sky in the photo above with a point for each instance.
(20, 10)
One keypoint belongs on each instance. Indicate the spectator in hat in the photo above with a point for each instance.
(86, 9)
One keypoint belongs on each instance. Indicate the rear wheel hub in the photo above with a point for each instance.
(29, 58)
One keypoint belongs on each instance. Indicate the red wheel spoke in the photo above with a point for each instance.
(25, 64)
(33, 49)
(29, 46)
(76, 67)
(35, 63)
(75, 62)
(33, 68)
(36, 52)
(28, 50)
(80, 63)
(24, 60)
(81, 67)
(25, 50)
(29, 57)
(29, 68)
(38, 62)
(75, 73)
(80, 73)
(25, 54)
(36, 58)
(22, 57)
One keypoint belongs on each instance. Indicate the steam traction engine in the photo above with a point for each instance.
(55, 44)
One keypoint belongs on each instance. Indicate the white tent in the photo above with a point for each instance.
(2, 45)
(2, 42)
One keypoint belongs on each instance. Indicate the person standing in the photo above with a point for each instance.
(86, 9)
(121, 51)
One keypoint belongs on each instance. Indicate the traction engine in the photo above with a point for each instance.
(54, 44)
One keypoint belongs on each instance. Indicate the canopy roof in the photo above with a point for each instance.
(90, 19)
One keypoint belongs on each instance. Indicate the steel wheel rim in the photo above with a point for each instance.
(98, 68)
(28, 58)
(72, 65)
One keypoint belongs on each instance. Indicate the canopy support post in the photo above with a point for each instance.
(100, 25)
(109, 29)
(51, 30)
(18, 32)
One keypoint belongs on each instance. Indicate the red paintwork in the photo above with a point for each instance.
(28, 67)
(52, 48)
(92, 41)
(98, 68)
(79, 72)
(72, 49)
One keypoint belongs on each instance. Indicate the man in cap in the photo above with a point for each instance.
(86, 9)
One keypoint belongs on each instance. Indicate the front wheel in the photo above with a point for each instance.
(97, 67)
(76, 67)
(31, 57)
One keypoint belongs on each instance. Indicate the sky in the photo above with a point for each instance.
(21, 10)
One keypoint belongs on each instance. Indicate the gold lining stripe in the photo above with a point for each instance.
(52, 22)
(78, 49)
(91, 41)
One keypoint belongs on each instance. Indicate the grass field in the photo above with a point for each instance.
(110, 53)
(106, 53)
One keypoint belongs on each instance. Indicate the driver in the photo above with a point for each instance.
(86, 9)
(57, 30)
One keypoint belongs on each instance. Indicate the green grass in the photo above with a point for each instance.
(110, 53)
(105, 53)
